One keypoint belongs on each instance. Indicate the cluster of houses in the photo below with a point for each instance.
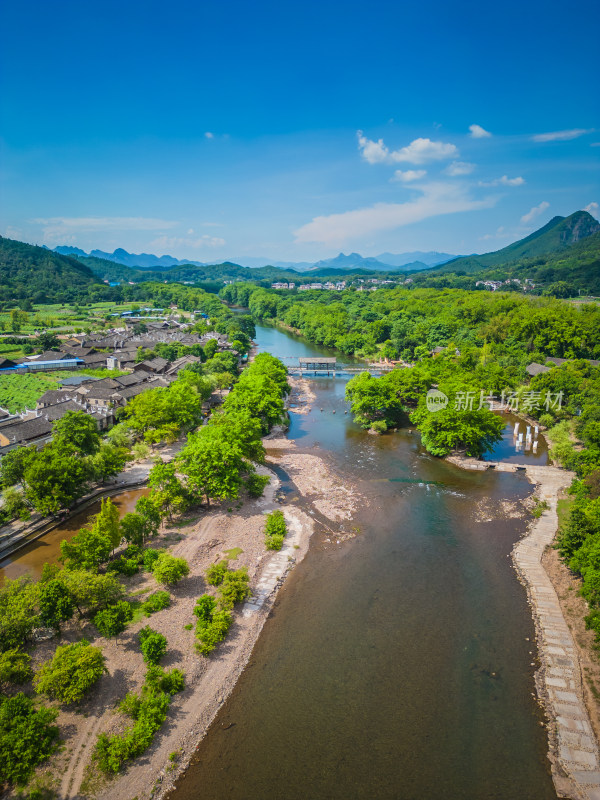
(494, 286)
(100, 397)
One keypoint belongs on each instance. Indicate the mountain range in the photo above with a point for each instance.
(386, 262)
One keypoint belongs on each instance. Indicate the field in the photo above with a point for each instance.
(62, 317)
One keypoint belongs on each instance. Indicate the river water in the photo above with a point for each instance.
(398, 664)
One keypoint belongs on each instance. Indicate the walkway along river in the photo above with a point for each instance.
(398, 664)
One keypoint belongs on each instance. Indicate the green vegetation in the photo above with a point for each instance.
(168, 569)
(152, 644)
(27, 737)
(275, 530)
(214, 616)
(15, 667)
(148, 710)
(71, 673)
(156, 601)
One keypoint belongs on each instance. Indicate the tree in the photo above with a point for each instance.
(14, 463)
(168, 569)
(147, 509)
(55, 603)
(86, 550)
(54, 479)
(212, 465)
(168, 493)
(113, 620)
(76, 432)
(107, 461)
(92, 592)
(374, 399)
(135, 529)
(153, 645)
(71, 672)
(106, 522)
(27, 737)
(18, 611)
(15, 666)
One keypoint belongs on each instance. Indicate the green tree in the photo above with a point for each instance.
(92, 592)
(54, 480)
(212, 465)
(14, 463)
(27, 737)
(167, 491)
(153, 645)
(55, 603)
(113, 620)
(76, 432)
(71, 672)
(18, 611)
(168, 569)
(15, 667)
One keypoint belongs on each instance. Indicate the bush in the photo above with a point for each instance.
(150, 557)
(275, 524)
(156, 602)
(275, 530)
(15, 666)
(113, 620)
(274, 542)
(216, 572)
(234, 588)
(71, 673)
(124, 566)
(153, 645)
(149, 710)
(210, 634)
(168, 569)
(256, 484)
(379, 426)
(205, 607)
(27, 737)
(55, 603)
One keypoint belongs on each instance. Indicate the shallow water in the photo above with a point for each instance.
(394, 665)
(30, 559)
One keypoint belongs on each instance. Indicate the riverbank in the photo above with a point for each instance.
(573, 745)
(222, 533)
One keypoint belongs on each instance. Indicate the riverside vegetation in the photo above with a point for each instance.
(217, 461)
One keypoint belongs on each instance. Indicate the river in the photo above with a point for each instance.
(398, 664)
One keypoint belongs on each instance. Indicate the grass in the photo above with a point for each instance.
(232, 554)
(563, 510)
(138, 612)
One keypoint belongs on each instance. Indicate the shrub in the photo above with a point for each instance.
(124, 566)
(55, 603)
(156, 602)
(168, 569)
(153, 645)
(27, 737)
(275, 530)
(275, 524)
(256, 484)
(150, 557)
(274, 542)
(71, 673)
(379, 426)
(149, 710)
(15, 666)
(205, 607)
(216, 572)
(234, 587)
(113, 620)
(210, 634)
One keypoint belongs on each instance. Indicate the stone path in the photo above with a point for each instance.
(574, 750)
(276, 566)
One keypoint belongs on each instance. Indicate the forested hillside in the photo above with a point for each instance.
(39, 275)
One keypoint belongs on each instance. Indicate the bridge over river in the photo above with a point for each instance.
(325, 365)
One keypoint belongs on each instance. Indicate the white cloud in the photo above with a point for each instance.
(457, 168)
(419, 151)
(177, 242)
(504, 181)
(534, 212)
(409, 175)
(561, 136)
(58, 230)
(477, 132)
(593, 209)
(500, 234)
(209, 135)
(436, 199)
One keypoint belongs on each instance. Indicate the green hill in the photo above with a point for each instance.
(40, 275)
(558, 235)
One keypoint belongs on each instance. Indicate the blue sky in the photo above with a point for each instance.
(295, 130)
